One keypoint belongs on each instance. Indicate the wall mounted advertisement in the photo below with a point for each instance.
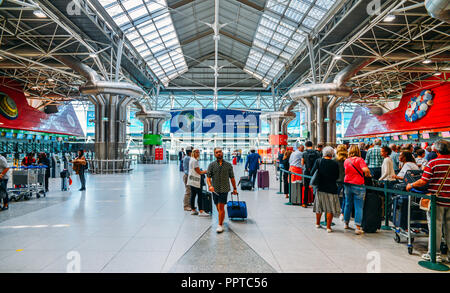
(15, 113)
(422, 109)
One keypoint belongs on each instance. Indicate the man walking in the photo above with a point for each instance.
(187, 193)
(219, 174)
(252, 166)
(374, 160)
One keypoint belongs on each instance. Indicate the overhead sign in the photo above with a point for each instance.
(211, 121)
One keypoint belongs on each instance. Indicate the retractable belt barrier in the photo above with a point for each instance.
(432, 265)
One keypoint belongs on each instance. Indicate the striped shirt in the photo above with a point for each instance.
(434, 173)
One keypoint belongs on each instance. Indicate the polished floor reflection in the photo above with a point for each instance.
(136, 223)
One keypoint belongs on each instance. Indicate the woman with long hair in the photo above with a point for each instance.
(79, 166)
(341, 156)
(355, 170)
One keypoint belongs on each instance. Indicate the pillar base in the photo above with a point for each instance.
(434, 266)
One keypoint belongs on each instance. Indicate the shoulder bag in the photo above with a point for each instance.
(367, 180)
(425, 203)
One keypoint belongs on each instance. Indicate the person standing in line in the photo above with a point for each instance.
(194, 181)
(326, 199)
(374, 160)
(44, 161)
(432, 154)
(387, 169)
(220, 172)
(408, 163)
(434, 175)
(180, 159)
(286, 166)
(308, 160)
(28, 160)
(355, 170)
(252, 166)
(394, 156)
(341, 156)
(362, 148)
(187, 188)
(79, 166)
(4, 168)
(295, 162)
(420, 159)
(319, 149)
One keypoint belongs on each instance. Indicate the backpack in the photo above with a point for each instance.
(310, 157)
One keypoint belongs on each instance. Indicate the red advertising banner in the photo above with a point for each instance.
(278, 139)
(15, 113)
(159, 154)
(426, 108)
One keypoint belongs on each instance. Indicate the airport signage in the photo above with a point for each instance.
(201, 121)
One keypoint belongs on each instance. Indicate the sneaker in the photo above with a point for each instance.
(346, 226)
(203, 214)
(359, 232)
(194, 213)
(187, 209)
(329, 230)
(219, 229)
(426, 256)
(341, 217)
(318, 226)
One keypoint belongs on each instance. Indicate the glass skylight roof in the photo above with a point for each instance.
(282, 30)
(148, 26)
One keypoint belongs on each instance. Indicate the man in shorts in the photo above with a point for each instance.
(219, 174)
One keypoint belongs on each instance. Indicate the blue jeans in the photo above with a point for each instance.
(252, 174)
(354, 195)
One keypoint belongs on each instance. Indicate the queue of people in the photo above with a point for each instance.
(387, 164)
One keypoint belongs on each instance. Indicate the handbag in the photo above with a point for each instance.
(425, 203)
(315, 181)
(367, 180)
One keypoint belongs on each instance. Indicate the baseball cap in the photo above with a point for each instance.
(189, 148)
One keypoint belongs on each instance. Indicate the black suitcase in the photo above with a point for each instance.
(245, 182)
(207, 201)
(371, 220)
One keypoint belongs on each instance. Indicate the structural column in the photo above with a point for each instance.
(153, 122)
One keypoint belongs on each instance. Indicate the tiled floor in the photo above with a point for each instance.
(136, 223)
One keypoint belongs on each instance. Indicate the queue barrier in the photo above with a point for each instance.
(432, 264)
(109, 166)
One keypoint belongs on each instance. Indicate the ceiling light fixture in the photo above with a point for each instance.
(427, 61)
(389, 18)
(39, 13)
(337, 57)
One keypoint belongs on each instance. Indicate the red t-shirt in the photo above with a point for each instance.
(434, 173)
(351, 175)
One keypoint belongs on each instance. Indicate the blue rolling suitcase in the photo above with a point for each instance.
(237, 209)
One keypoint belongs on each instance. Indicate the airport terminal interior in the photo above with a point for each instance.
(224, 136)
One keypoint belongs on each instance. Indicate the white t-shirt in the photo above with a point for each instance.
(407, 166)
(193, 177)
(3, 166)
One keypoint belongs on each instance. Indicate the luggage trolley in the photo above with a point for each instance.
(27, 181)
(416, 222)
